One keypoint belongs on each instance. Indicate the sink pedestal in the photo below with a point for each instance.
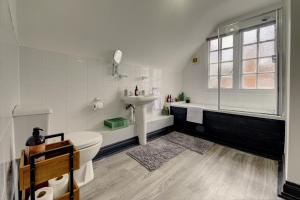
(140, 103)
(141, 123)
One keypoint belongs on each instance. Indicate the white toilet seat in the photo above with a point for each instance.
(84, 139)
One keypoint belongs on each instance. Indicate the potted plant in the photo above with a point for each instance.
(165, 110)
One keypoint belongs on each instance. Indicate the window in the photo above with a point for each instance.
(226, 62)
(244, 68)
(258, 58)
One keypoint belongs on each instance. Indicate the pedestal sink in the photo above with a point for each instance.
(140, 103)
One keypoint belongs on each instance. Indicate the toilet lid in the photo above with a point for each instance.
(84, 139)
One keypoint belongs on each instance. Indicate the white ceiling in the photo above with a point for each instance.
(154, 33)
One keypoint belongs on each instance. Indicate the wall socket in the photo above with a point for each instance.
(195, 60)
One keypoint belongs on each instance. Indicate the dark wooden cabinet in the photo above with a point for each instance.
(256, 135)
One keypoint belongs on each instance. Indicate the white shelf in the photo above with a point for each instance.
(154, 123)
(113, 136)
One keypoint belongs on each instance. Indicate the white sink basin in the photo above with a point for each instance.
(140, 103)
(138, 100)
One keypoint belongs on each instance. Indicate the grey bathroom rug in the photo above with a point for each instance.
(154, 154)
(190, 142)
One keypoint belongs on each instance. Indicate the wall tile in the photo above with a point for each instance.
(69, 84)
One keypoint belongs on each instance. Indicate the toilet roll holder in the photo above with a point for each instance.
(97, 104)
(68, 148)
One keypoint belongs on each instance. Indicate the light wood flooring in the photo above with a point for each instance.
(220, 174)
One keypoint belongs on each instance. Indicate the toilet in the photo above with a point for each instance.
(88, 143)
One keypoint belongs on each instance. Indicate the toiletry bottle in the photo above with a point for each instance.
(136, 92)
(35, 144)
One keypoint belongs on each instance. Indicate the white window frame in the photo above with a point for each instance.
(219, 51)
(209, 63)
(275, 17)
(275, 56)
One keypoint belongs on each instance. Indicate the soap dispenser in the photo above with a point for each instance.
(35, 144)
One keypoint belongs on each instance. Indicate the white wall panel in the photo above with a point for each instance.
(69, 84)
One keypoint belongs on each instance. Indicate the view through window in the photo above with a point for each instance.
(258, 58)
(226, 77)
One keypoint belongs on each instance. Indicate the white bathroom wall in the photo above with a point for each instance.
(293, 87)
(9, 97)
(68, 84)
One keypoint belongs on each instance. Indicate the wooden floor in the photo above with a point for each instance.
(220, 174)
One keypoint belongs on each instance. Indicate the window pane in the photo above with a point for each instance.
(227, 41)
(266, 49)
(250, 51)
(213, 57)
(250, 37)
(227, 55)
(226, 82)
(249, 81)
(266, 81)
(266, 65)
(249, 66)
(267, 33)
(213, 69)
(214, 45)
(226, 68)
(213, 82)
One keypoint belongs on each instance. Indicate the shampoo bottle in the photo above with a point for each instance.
(136, 92)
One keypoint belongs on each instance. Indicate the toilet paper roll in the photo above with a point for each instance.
(60, 185)
(45, 193)
(97, 105)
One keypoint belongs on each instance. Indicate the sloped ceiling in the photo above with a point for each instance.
(158, 33)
